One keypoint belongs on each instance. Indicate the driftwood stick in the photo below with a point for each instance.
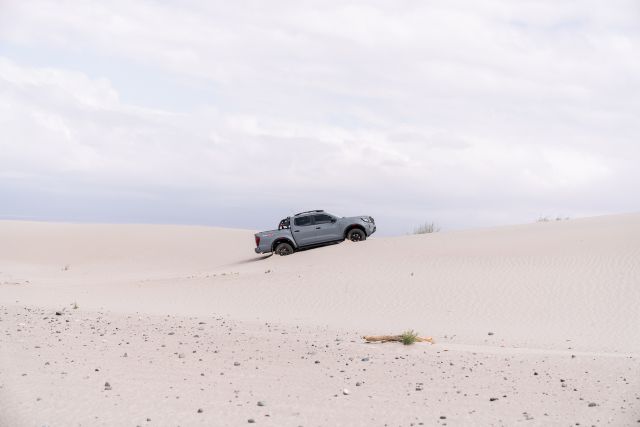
(386, 338)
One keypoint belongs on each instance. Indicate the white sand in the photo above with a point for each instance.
(560, 298)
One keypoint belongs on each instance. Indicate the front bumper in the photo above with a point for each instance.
(370, 228)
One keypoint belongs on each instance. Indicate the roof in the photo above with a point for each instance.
(306, 212)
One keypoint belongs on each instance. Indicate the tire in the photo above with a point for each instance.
(283, 249)
(356, 235)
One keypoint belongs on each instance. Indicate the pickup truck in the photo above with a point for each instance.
(313, 228)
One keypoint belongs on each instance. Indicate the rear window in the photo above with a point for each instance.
(322, 219)
(302, 220)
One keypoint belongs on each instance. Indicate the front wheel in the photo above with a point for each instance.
(356, 235)
(283, 249)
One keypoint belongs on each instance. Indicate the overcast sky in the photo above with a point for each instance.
(466, 113)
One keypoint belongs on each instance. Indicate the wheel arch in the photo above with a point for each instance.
(351, 227)
(282, 240)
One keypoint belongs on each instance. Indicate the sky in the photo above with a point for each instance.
(236, 114)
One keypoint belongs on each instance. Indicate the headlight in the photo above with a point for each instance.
(366, 218)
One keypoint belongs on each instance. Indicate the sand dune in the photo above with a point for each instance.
(537, 284)
(542, 291)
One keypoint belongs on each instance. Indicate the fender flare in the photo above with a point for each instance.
(282, 240)
(351, 227)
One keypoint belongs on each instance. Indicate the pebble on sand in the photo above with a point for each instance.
(345, 391)
(107, 386)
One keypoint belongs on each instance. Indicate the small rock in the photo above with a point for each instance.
(236, 363)
(345, 392)
(251, 421)
(317, 362)
(592, 404)
(199, 410)
(493, 399)
(442, 417)
(58, 313)
(365, 359)
(107, 386)
(489, 333)
(261, 403)
(358, 384)
(181, 356)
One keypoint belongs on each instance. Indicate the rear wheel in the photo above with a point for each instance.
(283, 249)
(356, 235)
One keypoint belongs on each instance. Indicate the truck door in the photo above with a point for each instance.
(303, 230)
(326, 229)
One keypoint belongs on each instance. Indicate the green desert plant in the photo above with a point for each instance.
(427, 227)
(409, 337)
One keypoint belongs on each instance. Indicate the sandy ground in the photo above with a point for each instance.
(534, 324)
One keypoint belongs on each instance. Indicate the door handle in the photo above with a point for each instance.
(318, 228)
(296, 231)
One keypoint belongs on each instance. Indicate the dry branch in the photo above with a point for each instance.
(386, 338)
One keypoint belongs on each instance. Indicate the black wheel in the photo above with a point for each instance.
(356, 235)
(283, 249)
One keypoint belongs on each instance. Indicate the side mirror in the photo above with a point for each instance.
(333, 220)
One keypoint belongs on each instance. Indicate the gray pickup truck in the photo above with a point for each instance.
(313, 228)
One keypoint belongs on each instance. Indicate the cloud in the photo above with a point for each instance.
(466, 113)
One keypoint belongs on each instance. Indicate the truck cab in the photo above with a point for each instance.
(313, 228)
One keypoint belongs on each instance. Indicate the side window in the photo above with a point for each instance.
(302, 221)
(322, 219)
